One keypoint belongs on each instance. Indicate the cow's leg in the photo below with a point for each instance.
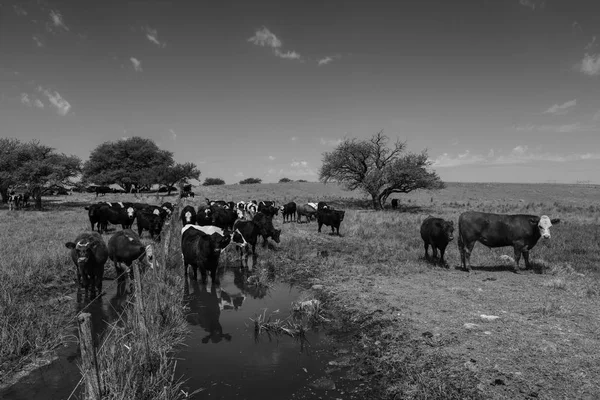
(434, 250)
(518, 247)
(465, 253)
(99, 277)
(320, 225)
(442, 251)
(525, 252)
(426, 245)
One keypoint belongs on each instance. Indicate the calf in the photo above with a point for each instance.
(126, 247)
(331, 218)
(188, 215)
(151, 222)
(89, 254)
(520, 231)
(265, 222)
(438, 233)
(202, 251)
(308, 211)
(93, 215)
(394, 204)
(288, 211)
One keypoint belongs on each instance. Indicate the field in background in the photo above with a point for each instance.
(416, 330)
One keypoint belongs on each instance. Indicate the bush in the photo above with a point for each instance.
(249, 181)
(302, 180)
(285, 180)
(213, 182)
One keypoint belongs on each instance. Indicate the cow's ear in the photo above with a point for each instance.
(555, 221)
(534, 220)
(70, 245)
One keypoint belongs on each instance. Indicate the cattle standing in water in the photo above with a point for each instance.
(288, 211)
(437, 233)
(520, 231)
(125, 247)
(202, 251)
(394, 204)
(245, 234)
(151, 222)
(89, 253)
(307, 210)
(330, 217)
(188, 215)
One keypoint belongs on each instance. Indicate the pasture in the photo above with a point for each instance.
(414, 330)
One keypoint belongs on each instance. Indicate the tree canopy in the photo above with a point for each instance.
(34, 166)
(213, 182)
(135, 161)
(249, 181)
(377, 169)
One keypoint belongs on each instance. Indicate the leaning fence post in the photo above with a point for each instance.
(88, 357)
(139, 309)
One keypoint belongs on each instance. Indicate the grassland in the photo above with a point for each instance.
(414, 330)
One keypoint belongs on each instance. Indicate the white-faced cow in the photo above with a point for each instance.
(202, 251)
(188, 215)
(520, 231)
(89, 254)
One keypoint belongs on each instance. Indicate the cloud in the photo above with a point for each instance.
(56, 21)
(19, 11)
(271, 158)
(31, 102)
(591, 44)
(137, 64)
(293, 138)
(38, 103)
(173, 134)
(264, 37)
(561, 109)
(330, 142)
(152, 36)
(297, 172)
(25, 99)
(299, 164)
(520, 154)
(568, 128)
(38, 41)
(590, 65)
(533, 3)
(289, 55)
(62, 106)
(325, 61)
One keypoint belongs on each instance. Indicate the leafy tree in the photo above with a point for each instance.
(378, 170)
(213, 182)
(133, 161)
(177, 173)
(249, 181)
(285, 180)
(35, 166)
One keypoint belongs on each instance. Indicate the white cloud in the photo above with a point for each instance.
(533, 3)
(297, 172)
(445, 160)
(271, 158)
(299, 164)
(173, 134)
(137, 64)
(289, 55)
(325, 60)
(591, 44)
(562, 108)
(38, 103)
(31, 102)
(25, 99)
(294, 138)
(19, 11)
(264, 37)
(38, 41)
(62, 106)
(152, 36)
(590, 65)
(330, 142)
(56, 21)
(567, 128)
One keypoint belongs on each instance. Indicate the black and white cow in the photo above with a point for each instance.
(188, 215)
(201, 248)
(89, 254)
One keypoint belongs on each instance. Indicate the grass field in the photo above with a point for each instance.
(415, 330)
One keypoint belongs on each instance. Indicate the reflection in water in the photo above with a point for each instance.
(208, 310)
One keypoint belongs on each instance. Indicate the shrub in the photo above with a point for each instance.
(301, 180)
(285, 180)
(213, 182)
(248, 181)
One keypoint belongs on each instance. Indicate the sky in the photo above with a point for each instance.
(494, 90)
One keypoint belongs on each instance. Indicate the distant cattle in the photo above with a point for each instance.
(15, 201)
(188, 215)
(102, 190)
(437, 233)
(89, 253)
(288, 211)
(125, 247)
(216, 203)
(307, 211)
(394, 204)
(265, 222)
(150, 221)
(202, 251)
(331, 218)
(520, 231)
(184, 195)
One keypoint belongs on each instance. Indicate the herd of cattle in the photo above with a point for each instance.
(210, 228)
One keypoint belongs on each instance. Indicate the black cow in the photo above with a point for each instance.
(126, 247)
(93, 214)
(268, 208)
(163, 213)
(216, 203)
(245, 234)
(437, 232)
(204, 216)
(308, 211)
(188, 215)
(102, 190)
(265, 222)
(201, 250)
(394, 203)
(89, 253)
(331, 218)
(520, 231)
(168, 207)
(121, 216)
(231, 205)
(183, 195)
(288, 211)
(151, 222)
(322, 206)
(223, 217)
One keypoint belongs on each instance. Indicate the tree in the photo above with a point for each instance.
(177, 173)
(285, 180)
(34, 166)
(213, 182)
(133, 161)
(378, 170)
(249, 181)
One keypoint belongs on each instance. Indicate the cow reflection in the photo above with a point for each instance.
(240, 280)
(205, 311)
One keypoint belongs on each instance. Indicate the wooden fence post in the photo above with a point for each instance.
(88, 357)
(139, 309)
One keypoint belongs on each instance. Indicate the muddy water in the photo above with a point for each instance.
(59, 379)
(226, 360)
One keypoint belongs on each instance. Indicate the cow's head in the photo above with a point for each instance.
(544, 223)
(155, 222)
(341, 214)
(82, 250)
(240, 214)
(130, 212)
(276, 234)
(448, 230)
(187, 217)
(219, 241)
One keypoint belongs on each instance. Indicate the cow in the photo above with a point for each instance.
(307, 210)
(89, 254)
(520, 231)
(437, 232)
(168, 207)
(322, 206)
(268, 207)
(93, 215)
(288, 211)
(216, 203)
(204, 216)
(151, 222)
(121, 216)
(313, 205)
(245, 235)
(231, 205)
(223, 217)
(157, 210)
(14, 201)
(184, 195)
(102, 190)
(265, 222)
(188, 215)
(394, 204)
(126, 247)
(331, 218)
(250, 210)
(202, 251)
